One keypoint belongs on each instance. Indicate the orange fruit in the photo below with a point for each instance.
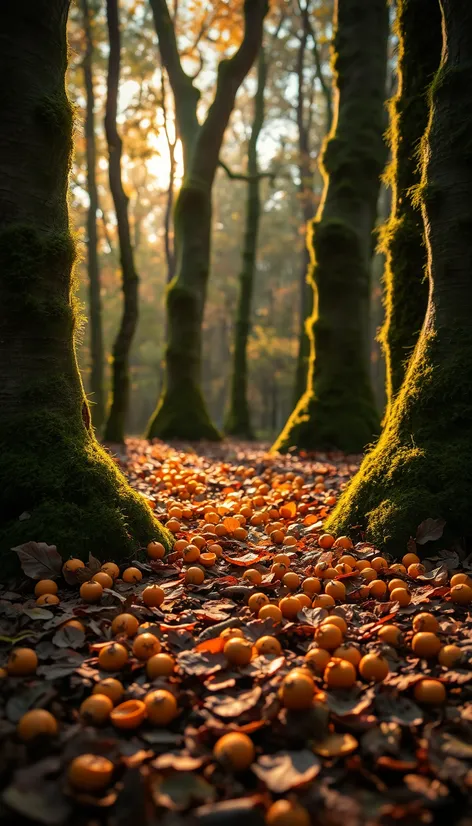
(378, 562)
(90, 772)
(449, 655)
(311, 585)
(323, 601)
(74, 624)
(344, 542)
(377, 588)
(326, 541)
(112, 657)
(268, 646)
(343, 568)
(402, 596)
(460, 579)
(256, 601)
(45, 586)
(160, 665)
(238, 651)
(145, 646)
(328, 636)
(373, 667)
(430, 692)
(179, 546)
(336, 590)
(228, 633)
(347, 559)
(290, 606)
(426, 644)
(153, 596)
(317, 659)
(22, 662)
(36, 722)
(156, 550)
(410, 559)
(348, 652)
(416, 569)
(397, 569)
(125, 624)
(72, 565)
(216, 549)
(304, 600)
(173, 525)
(287, 813)
(191, 553)
(235, 750)
(284, 559)
(297, 690)
(47, 599)
(279, 569)
(369, 574)
(104, 579)
(253, 576)
(110, 687)
(425, 622)
(270, 612)
(111, 569)
(96, 709)
(340, 674)
(461, 594)
(132, 575)
(91, 592)
(207, 559)
(194, 576)
(361, 564)
(334, 619)
(391, 634)
(291, 580)
(397, 583)
(161, 707)
(128, 715)
(198, 541)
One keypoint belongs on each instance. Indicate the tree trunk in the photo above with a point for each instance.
(116, 423)
(238, 421)
(421, 466)
(338, 408)
(57, 484)
(95, 304)
(181, 412)
(406, 283)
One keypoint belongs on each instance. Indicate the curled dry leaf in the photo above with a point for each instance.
(286, 770)
(430, 530)
(39, 560)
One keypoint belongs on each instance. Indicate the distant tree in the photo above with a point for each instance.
(95, 304)
(421, 468)
(338, 409)
(116, 422)
(57, 484)
(406, 282)
(181, 411)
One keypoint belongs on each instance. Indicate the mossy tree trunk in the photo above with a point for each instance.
(95, 304)
(421, 466)
(116, 422)
(181, 411)
(56, 483)
(305, 166)
(238, 421)
(338, 409)
(418, 27)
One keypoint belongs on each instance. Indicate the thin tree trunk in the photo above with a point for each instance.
(338, 408)
(95, 304)
(181, 411)
(421, 467)
(116, 424)
(52, 467)
(406, 283)
(238, 421)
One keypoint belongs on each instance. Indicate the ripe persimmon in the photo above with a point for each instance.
(283, 559)
(253, 576)
(110, 687)
(287, 813)
(112, 657)
(402, 596)
(344, 542)
(378, 562)
(160, 665)
(416, 569)
(369, 574)
(95, 710)
(336, 590)
(48, 599)
(311, 585)
(449, 655)
(74, 624)
(91, 591)
(297, 690)
(348, 652)
(35, 723)
(235, 750)
(425, 622)
(334, 619)
(291, 580)
(430, 692)
(328, 636)
(373, 667)
(72, 565)
(326, 541)
(45, 586)
(194, 576)
(156, 550)
(125, 624)
(396, 583)
(410, 559)
(290, 606)
(111, 568)
(145, 646)
(132, 575)
(128, 715)
(153, 596)
(161, 707)
(426, 644)
(270, 612)
(238, 651)
(104, 579)
(391, 634)
(191, 554)
(323, 601)
(317, 659)
(460, 579)
(461, 594)
(256, 601)
(339, 674)
(229, 633)
(22, 662)
(90, 772)
(268, 646)
(377, 588)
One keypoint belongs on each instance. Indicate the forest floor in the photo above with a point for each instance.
(342, 741)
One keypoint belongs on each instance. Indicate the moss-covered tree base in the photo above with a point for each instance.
(182, 414)
(59, 486)
(421, 467)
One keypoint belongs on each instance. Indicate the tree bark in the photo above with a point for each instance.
(181, 411)
(338, 408)
(53, 472)
(95, 304)
(406, 283)
(116, 423)
(238, 421)
(421, 467)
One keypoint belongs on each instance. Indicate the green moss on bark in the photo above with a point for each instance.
(402, 237)
(421, 466)
(338, 408)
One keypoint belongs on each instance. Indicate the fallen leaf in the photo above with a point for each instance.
(286, 770)
(430, 530)
(39, 560)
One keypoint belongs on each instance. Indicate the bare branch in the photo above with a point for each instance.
(238, 176)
